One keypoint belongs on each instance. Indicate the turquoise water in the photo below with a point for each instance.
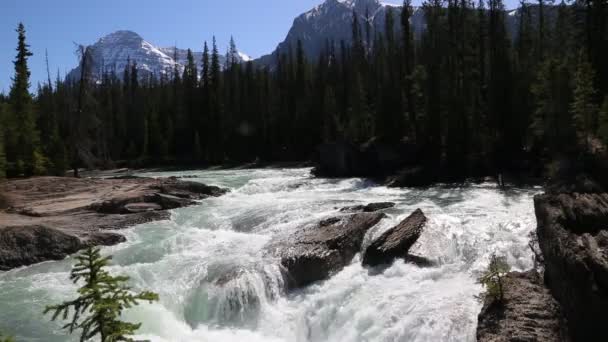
(183, 258)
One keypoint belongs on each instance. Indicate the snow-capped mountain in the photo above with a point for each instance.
(332, 21)
(115, 50)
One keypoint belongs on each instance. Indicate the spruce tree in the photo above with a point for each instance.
(4, 338)
(602, 131)
(24, 141)
(101, 301)
(584, 110)
(2, 154)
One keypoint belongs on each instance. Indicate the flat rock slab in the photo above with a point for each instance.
(529, 313)
(51, 217)
(315, 252)
(369, 208)
(395, 242)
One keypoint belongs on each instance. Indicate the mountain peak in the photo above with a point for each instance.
(120, 36)
(116, 50)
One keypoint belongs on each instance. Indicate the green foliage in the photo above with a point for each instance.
(23, 138)
(6, 338)
(583, 108)
(602, 131)
(493, 277)
(2, 154)
(551, 124)
(457, 92)
(102, 299)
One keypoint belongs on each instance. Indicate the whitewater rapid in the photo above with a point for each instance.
(216, 283)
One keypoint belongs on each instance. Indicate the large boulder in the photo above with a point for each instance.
(527, 313)
(573, 236)
(188, 189)
(374, 158)
(395, 242)
(317, 251)
(26, 245)
(339, 159)
(413, 176)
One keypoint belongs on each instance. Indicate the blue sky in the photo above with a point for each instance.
(257, 25)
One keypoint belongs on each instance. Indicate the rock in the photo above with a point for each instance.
(339, 159)
(189, 189)
(26, 245)
(395, 242)
(316, 252)
(169, 201)
(369, 208)
(529, 312)
(105, 239)
(117, 205)
(415, 176)
(573, 236)
(375, 158)
(133, 208)
(75, 212)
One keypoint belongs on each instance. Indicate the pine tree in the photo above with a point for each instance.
(584, 110)
(602, 131)
(2, 154)
(4, 338)
(101, 301)
(23, 148)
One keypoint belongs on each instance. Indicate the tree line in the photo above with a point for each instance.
(468, 94)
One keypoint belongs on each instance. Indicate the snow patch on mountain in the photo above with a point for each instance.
(115, 51)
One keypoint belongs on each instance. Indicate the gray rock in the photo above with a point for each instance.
(316, 252)
(395, 242)
(369, 208)
(573, 236)
(133, 208)
(528, 313)
(26, 245)
(415, 176)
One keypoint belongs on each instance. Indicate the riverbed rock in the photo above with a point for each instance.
(73, 213)
(412, 176)
(25, 245)
(189, 189)
(317, 251)
(368, 208)
(375, 158)
(395, 242)
(573, 236)
(528, 313)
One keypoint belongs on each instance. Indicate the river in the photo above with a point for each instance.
(182, 259)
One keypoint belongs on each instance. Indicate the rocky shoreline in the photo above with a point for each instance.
(572, 293)
(48, 218)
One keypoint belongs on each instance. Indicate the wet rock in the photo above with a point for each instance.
(369, 208)
(133, 208)
(395, 242)
(104, 239)
(375, 158)
(573, 236)
(415, 176)
(528, 313)
(316, 252)
(339, 159)
(189, 189)
(74, 212)
(26, 245)
(170, 202)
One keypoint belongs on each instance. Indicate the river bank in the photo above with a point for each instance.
(48, 218)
